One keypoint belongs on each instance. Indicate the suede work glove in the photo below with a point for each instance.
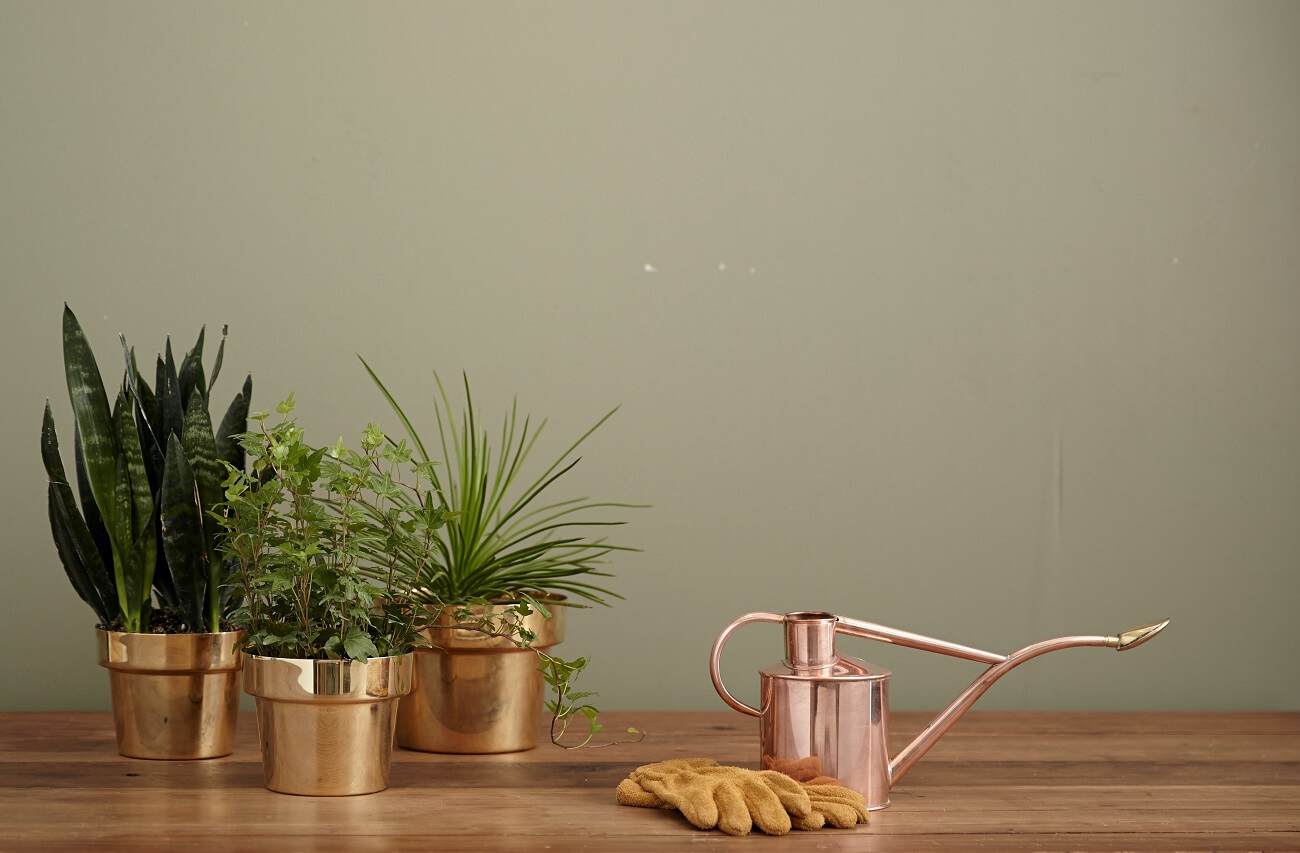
(731, 799)
(734, 799)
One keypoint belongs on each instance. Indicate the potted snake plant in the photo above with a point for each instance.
(329, 644)
(496, 580)
(140, 549)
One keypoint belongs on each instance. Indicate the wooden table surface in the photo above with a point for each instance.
(998, 781)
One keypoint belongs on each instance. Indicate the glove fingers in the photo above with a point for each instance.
(629, 793)
(696, 803)
(811, 822)
(837, 814)
(764, 806)
(793, 797)
(734, 816)
(835, 792)
(858, 806)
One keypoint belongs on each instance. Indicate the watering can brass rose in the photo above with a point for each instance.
(827, 715)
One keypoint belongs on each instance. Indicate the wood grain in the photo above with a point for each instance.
(1000, 781)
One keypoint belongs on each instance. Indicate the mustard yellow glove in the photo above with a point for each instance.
(731, 799)
(630, 792)
(836, 805)
(809, 806)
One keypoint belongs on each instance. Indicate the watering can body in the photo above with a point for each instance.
(822, 714)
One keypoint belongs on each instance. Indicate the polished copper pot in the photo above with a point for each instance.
(475, 693)
(326, 726)
(175, 696)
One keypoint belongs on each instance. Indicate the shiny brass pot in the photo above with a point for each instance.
(326, 726)
(476, 693)
(175, 696)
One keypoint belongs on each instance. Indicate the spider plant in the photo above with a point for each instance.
(504, 540)
(141, 549)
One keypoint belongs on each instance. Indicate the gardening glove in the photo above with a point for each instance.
(830, 802)
(731, 799)
(630, 792)
(833, 804)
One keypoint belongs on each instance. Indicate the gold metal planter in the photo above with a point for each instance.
(475, 693)
(326, 726)
(175, 696)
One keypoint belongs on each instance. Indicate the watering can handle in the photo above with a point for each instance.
(715, 658)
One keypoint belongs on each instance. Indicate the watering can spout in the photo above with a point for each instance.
(912, 753)
(1135, 637)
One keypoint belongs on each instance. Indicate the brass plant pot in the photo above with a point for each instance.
(175, 696)
(475, 693)
(326, 726)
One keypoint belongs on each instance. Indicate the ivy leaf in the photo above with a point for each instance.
(358, 646)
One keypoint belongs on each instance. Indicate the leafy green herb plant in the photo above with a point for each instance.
(141, 548)
(304, 526)
(504, 540)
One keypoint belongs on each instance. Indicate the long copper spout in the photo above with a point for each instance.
(939, 726)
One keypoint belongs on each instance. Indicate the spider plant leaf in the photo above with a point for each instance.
(90, 407)
(182, 533)
(233, 424)
(191, 372)
(397, 410)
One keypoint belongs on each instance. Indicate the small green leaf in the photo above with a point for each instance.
(358, 646)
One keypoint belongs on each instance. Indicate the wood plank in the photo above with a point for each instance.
(1001, 781)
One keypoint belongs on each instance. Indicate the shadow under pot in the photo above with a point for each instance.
(475, 693)
(326, 726)
(175, 696)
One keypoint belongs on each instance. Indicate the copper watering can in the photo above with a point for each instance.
(823, 714)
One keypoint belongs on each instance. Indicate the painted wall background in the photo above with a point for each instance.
(979, 319)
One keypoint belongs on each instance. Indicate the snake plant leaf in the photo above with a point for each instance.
(191, 372)
(142, 398)
(168, 388)
(50, 449)
(234, 424)
(90, 406)
(94, 523)
(221, 354)
(80, 554)
(63, 519)
(132, 455)
(182, 533)
(201, 449)
(133, 532)
(126, 570)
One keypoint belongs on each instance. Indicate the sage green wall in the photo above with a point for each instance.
(980, 319)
